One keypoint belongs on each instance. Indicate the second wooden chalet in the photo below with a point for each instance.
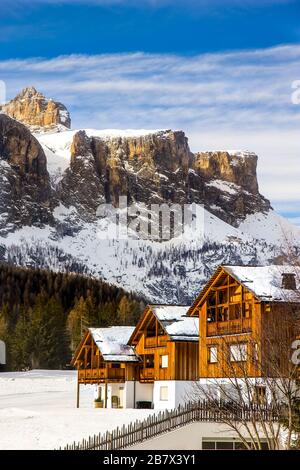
(166, 340)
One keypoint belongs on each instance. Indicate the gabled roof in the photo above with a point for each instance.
(112, 343)
(265, 282)
(177, 325)
(174, 320)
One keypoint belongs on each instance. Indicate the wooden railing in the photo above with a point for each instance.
(155, 341)
(101, 374)
(147, 374)
(166, 421)
(229, 327)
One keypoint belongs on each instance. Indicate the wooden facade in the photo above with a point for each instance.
(94, 369)
(233, 329)
(163, 358)
(237, 330)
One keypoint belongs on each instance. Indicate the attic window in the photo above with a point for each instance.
(289, 281)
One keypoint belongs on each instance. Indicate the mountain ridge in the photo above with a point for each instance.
(89, 167)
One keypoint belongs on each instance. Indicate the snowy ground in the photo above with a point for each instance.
(37, 411)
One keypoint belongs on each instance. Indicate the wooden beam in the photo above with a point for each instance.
(106, 379)
(78, 391)
(105, 395)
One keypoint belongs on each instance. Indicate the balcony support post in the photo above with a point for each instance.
(78, 391)
(106, 379)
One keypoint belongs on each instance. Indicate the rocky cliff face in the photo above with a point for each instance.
(82, 186)
(158, 168)
(35, 110)
(25, 194)
(87, 168)
(238, 168)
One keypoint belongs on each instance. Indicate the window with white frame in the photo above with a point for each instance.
(164, 361)
(212, 354)
(238, 352)
(164, 393)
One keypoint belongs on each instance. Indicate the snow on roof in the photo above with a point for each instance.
(177, 325)
(266, 281)
(112, 343)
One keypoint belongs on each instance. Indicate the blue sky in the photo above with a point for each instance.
(221, 70)
(53, 27)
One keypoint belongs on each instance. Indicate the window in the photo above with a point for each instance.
(234, 312)
(115, 365)
(164, 394)
(238, 352)
(149, 361)
(212, 354)
(164, 361)
(248, 310)
(227, 444)
(259, 394)
(223, 296)
(255, 353)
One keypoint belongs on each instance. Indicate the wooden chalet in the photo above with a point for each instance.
(247, 316)
(104, 357)
(166, 340)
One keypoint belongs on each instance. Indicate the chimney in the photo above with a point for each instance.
(289, 281)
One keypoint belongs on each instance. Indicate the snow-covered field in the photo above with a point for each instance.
(37, 411)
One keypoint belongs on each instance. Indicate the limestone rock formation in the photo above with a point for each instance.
(25, 195)
(238, 168)
(35, 110)
(81, 186)
(160, 168)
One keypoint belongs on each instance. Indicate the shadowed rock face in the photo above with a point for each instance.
(25, 193)
(239, 169)
(82, 187)
(158, 168)
(152, 169)
(33, 109)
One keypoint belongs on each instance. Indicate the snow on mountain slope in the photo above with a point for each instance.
(237, 225)
(271, 227)
(170, 271)
(57, 147)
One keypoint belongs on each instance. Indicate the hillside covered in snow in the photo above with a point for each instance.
(53, 182)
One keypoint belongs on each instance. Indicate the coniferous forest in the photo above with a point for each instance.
(43, 314)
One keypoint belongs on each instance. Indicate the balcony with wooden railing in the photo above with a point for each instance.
(155, 341)
(147, 374)
(101, 375)
(241, 325)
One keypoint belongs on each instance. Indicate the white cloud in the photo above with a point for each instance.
(231, 100)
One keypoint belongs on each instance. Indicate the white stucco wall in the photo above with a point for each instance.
(2, 353)
(143, 392)
(129, 394)
(189, 437)
(179, 392)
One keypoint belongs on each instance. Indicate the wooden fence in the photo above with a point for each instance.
(166, 421)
